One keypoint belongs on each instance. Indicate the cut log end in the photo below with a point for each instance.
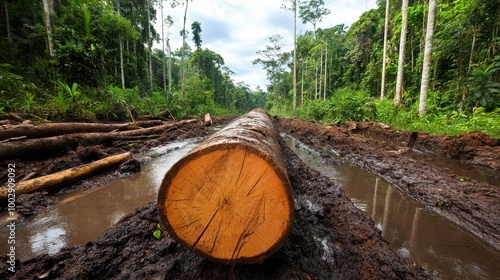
(228, 202)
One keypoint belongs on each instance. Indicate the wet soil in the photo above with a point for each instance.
(331, 238)
(472, 204)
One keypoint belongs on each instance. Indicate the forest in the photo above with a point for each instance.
(372, 153)
(94, 60)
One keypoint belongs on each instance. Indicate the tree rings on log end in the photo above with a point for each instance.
(230, 200)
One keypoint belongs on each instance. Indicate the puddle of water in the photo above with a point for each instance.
(463, 170)
(80, 217)
(442, 248)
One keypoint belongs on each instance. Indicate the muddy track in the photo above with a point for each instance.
(330, 239)
(471, 204)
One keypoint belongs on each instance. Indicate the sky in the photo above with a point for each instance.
(237, 29)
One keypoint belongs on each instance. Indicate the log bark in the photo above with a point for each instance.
(53, 181)
(56, 144)
(229, 199)
(43, 130)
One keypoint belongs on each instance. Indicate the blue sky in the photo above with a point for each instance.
(237, 29)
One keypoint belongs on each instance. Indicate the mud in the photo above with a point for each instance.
(471, 204)
(331, 238)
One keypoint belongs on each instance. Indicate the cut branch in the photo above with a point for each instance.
(230, 199)
(66, 177)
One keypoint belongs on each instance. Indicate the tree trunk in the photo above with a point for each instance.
(326, 65)
(320, 72)
(53, 129)
(7, 24)
(384, 59)
(150, 46)
(169, 69)
(163, 48)
(402, 43)
(122, 70)
(294, 54)
(183, 48)
(230, 199)
(469, 68)
(51, 145)
(302, 85)
(47, 16)
(120, 41)
(66, 177)
(427, 58)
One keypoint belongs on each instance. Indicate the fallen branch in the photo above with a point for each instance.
(57, 144)
(66, 177)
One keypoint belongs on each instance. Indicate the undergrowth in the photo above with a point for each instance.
(350, 105)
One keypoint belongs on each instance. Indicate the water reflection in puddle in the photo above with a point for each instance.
(445, 250)
(80, 217)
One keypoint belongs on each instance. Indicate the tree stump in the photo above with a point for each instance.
(230, 199)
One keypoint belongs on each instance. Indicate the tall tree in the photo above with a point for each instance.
(120, 42)
(164, 61)
(176, 3)
(326, 71)
(427, 58)
(150, 43)
(401, 59)
(313, 12)
(384, 56)
(294, 9)
(7, 23)
(272, 60)
(196, 29)
(169, 22)
(47, 16)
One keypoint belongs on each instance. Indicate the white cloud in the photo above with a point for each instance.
(237, 29)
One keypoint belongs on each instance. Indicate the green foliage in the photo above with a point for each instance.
(27, 102)
(440, 203)
(439, 120)
(157, 232)
(484, 89)
(14, 90)
(344, 105)
(72, 92)
(60, 102)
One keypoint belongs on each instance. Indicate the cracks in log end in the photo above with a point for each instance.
(205, 229)
(255, 185)
(252, 226)
(241, 168)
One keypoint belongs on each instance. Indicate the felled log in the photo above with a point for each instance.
(33, 131)
(31, 147)
(56, 180)
(230, 199)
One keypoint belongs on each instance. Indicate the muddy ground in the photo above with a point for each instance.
(401, 158)
(331, 238)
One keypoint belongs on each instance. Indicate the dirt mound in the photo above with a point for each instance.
(330, 239)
